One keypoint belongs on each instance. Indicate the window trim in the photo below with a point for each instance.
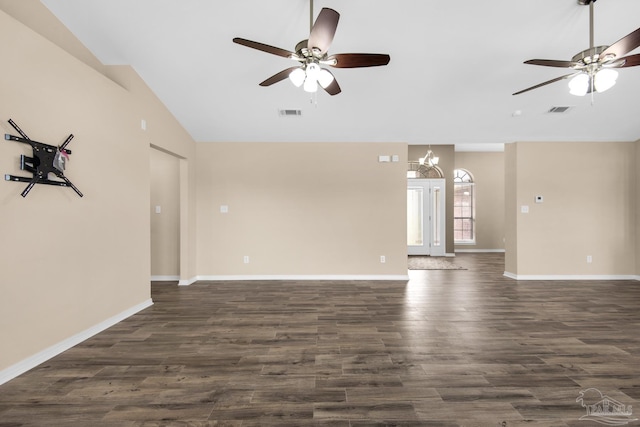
(463, 176)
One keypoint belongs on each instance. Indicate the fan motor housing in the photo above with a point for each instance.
(589, 56)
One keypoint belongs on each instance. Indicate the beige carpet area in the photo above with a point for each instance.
(431, 263)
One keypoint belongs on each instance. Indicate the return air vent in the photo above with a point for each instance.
(559, 110)
(290, 113)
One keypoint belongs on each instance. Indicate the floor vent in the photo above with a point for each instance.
(290, 113)
(559, 110)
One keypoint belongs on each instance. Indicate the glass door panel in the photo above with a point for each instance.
(415, 216)
(436, 219)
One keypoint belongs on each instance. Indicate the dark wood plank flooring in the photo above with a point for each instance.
(448, 348)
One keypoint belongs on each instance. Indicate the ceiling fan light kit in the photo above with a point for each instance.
(313, 52)
(593, 67)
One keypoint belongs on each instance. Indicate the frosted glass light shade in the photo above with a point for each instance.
(297, 77)
(325, 78)
(579, 85)
(605, 79)
(312, 71)
(310, 85)
(311, 82)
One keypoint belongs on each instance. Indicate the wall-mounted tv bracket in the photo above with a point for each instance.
(46, 159)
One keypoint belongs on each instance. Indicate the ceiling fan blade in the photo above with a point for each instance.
(624, 45)
(323, 30)
(630, 61)
(557, 79)
(334, 87)
(551, 63)
(278, 76)
(356, 60)
(265, 48)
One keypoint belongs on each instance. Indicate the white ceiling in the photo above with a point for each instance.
(454, 66)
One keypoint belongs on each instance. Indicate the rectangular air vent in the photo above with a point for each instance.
(559, 110)
(290, 113)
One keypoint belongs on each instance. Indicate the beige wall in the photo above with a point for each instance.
(447, 156)
(165, 224)
(302, 209)
(164, 133)
(488, 173)
(68, 263)
(589, 208)
(511, 208)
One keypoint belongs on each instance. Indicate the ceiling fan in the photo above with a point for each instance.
(593, 67)
(313, 53)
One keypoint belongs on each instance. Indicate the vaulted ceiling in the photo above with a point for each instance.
(454, 66)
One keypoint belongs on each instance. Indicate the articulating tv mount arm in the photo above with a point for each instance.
(46, 159)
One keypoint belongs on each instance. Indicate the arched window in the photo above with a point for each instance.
(464, 207)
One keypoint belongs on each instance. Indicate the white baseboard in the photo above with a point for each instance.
(480, 251)
(569, 277)
(187, 282)
(344, 277)
(31, 362)
(165, 278)
(510, 275)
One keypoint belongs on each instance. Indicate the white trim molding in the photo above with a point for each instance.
(479, 251)
(568, 277)
(345, 277)
(31, 362)
(187, 282)
(165, 278)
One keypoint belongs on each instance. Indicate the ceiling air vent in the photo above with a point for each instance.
(290, 113)
(559, 110)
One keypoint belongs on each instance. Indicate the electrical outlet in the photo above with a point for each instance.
(246, 259)
(589, 259)
(383, 259)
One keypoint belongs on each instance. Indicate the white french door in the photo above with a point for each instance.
(426, 217)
